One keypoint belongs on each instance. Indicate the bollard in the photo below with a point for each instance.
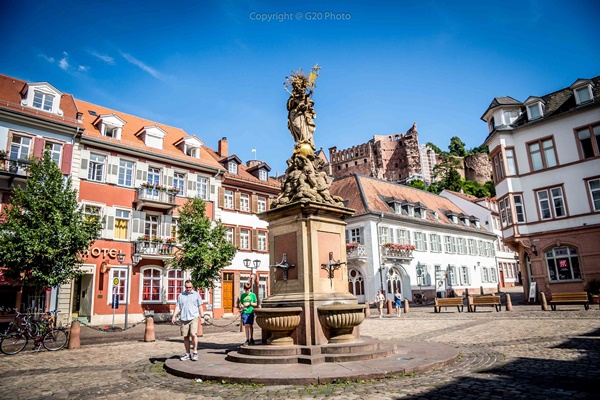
(390, 309)
(368, 310)
(543, 301)
(149, 332)
(74, 336)
(405, 306)
(508, 303)
(200, 332)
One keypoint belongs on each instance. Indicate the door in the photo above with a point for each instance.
(85, 295)
(228, 292)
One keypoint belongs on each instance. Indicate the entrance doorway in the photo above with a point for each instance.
(228, 292)
(82, 296)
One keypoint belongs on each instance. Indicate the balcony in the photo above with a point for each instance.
(13, 168)
(155, 197)
(356, 252)
(153, 249)
(397, 251)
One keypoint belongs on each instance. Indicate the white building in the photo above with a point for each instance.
(408, 239)
(546, 159)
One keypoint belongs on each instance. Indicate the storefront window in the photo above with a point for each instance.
(151, 284)
(563, 264)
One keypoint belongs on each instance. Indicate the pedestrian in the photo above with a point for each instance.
(189, 309)
(380, 299)
(246, 303)
(398, 301)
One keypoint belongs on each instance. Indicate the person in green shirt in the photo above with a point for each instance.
(247, 302)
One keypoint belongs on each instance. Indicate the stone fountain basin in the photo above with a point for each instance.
(341, 319)
(280, 321)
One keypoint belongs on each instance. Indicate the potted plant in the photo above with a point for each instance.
(144, 238)
(3, 154)
(351, 246)
(156, 239)
(593, 289)
(173, 190)
(170, 240)
(147, 185)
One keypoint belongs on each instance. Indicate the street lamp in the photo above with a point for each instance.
(253, 265)
(135, 259)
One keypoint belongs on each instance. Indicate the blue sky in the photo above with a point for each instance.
(216, 68)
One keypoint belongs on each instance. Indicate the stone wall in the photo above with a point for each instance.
(478, 167)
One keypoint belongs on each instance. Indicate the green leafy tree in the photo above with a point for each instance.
(474, 188)
(489, 185)
(418, 184)
(457, 147)
(45, 232)
(205, 249)
(436, 149)
(447, 174)
(481, 149)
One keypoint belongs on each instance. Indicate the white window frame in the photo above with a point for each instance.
(448, 245)
(547, 200)
(261, 204)
(43, 101)
(557, 254)
(17, 148)
(202, 187)
(535, 106)
(122, 215)
(245, 239)
(152, 278)
(177, 289)
(232, 167)
(420, 241)
(244, 202)
(229, 235)
(262, 175)
(355, 235)
(122, 275)
(465, 276)
(261, 244)
(55, 150)
(228, 199)
(436, 242)
(594, 193)
(588, 90)
(179, 182)
(152, 225)
(125, 177)
(96, 167)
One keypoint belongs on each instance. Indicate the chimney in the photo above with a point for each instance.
(223, 147)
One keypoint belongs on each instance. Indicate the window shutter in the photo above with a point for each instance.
(362, 235)
(109, 226)
(221, 197)
(67, 159)
(113, 169)
(192, 185)
(85, 159)
(236, 236)
(168, 177)
(254, 204)
(141, 173)
(236, 200)
(348, 238)
(167, 222)
(38, 147)
(254, 240)
(138, 224)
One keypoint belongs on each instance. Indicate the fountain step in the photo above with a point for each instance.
(270, 351)
(237, 357)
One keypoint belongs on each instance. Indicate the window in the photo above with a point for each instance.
(436, 243)
(420, 241)
(20, 147)
(244, 202)
(465, 279)
(228, 199)
(121, 274)
(499, 167)
(262, 174)
(583, 95)
(355, 235)
(505, 212)
(154, 175)
(229, 234)
(43, 101)
(90, 211)
(452, 278)
(510, 162)
(96, 168)
(151, 282)
(121, 224)
(151, 226)
(262, 241)
(481, 246)
(175, 228)
(174, 284)
(179, 182)
(448, 244)
(54, 149)
(202, 187)
(551, 203)
(262, 204)
(563, 264)
(462, 245)
(383, 235)
(244, 239)
(534, 111)
(589, 141)
(403, 236)
(232, 167)
(510, 116)
(125, 173)
(542, 154)
(594, 187)
(472, 247)
(519, 209)
(485, 277)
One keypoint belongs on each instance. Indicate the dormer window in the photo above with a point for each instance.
(582, 88)
(534, 111)
(232, 167)
(110, 125)
(43, 101)
(492, 124)
(192, 152)
(509, 116)
(189, 145)
(263, 175)
(152, 136)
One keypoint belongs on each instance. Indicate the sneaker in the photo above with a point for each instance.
(185, 358)
(247, 342)
(251, 342)
(195, 357)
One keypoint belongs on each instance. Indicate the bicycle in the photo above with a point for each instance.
(50, 337)
(20, 321)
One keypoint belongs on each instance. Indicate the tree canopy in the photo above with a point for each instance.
(45, 232)
(457, 147)
(205, 249)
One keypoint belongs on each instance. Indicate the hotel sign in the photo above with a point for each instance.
(101, 251)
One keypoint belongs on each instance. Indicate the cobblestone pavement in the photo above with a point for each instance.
(523, 354)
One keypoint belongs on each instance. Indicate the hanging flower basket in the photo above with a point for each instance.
(144, 238)
(157, 240)
(170, 240)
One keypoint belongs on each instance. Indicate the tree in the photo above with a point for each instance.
(489, 185)
(457, 147)
(45, 231)
(447, 173)
(435, 149)
(205, 249)
(418, 184)
(475, 189)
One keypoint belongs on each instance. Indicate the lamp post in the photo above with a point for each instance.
(253, 265)
(135, 259)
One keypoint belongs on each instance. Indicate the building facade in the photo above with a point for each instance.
(415, 241)
(546, 167)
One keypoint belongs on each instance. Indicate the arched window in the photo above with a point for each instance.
(393, 280)
(563, 264)
(151, 284)
(356, 283)
(174, 284)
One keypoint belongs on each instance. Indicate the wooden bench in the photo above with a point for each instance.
(570, 298)
(493, 301)
(448, 302)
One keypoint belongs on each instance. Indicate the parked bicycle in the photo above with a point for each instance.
(43, 333)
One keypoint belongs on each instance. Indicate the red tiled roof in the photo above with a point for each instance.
(366, 195)
(133, 125)
(11, 94)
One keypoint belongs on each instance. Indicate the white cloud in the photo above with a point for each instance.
(103, 57)
(83, 68)
(64, 63)
(131, 59)
(45, 57)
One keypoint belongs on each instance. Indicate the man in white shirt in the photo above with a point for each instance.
(189, 308)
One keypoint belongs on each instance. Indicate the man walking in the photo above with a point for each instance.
(247, 303)
(189, 308)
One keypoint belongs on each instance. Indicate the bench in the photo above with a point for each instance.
(570, 298)
(493, 301)
(448, 302)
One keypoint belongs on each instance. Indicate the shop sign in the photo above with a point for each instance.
(101, 251)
